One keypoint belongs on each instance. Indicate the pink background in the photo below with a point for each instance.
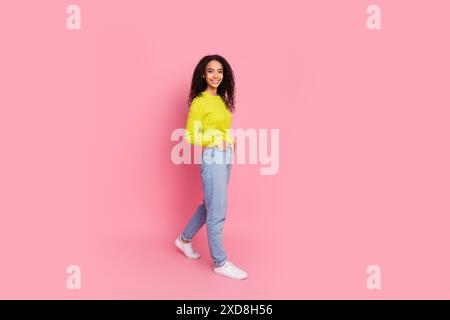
(87, 179)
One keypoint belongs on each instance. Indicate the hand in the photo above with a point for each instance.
(224, 145)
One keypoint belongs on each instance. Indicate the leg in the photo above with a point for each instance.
(196, 222)
(199, 217)
(215, 182)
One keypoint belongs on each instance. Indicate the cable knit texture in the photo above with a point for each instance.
(208, 121)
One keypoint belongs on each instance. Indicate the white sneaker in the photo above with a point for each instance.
(231, 271)
(187, 249)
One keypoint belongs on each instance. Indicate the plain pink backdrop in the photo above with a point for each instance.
(86, 176)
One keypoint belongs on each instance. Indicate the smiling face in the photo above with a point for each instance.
(213, 74)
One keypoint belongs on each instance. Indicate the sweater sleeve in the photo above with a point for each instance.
(194, 133)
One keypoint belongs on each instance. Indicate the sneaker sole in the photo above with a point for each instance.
(234, 278)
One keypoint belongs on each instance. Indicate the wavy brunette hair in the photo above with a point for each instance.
(226, 87)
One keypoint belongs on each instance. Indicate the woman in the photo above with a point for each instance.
(211, 103)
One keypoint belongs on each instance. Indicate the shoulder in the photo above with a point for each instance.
(198, 102)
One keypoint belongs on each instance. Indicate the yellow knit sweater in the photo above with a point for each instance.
(208, 121)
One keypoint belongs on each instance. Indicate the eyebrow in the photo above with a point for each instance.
(213, 69)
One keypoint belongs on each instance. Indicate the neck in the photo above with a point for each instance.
(211, 91)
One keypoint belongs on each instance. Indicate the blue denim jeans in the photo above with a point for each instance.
(215, 171)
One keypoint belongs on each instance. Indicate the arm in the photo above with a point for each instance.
(194, 131)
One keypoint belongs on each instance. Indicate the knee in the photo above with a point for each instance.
(215, 224)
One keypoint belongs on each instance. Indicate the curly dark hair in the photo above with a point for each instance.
(226, 87)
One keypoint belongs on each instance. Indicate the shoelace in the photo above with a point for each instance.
(189, 248)
(231, 265)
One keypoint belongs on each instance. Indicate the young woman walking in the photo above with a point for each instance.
(211, 102)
